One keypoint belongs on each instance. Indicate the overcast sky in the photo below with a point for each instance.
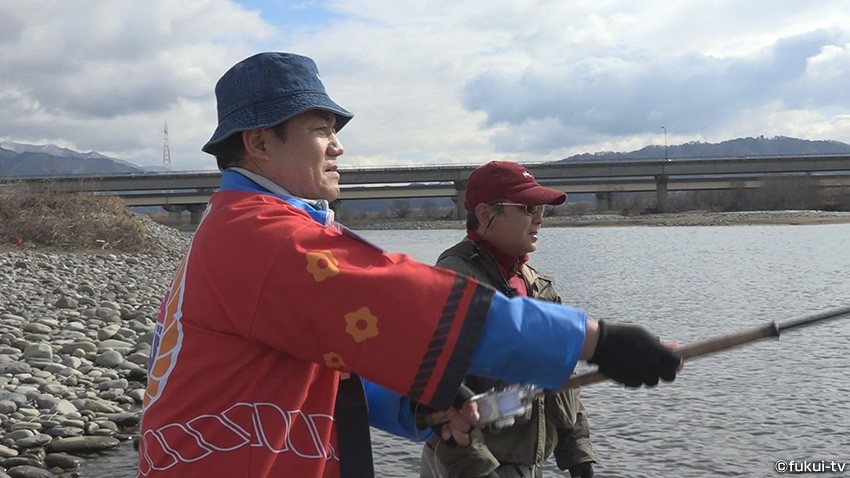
(432, 82)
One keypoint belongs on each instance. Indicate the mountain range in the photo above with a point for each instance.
(734, 148)
(21, 160)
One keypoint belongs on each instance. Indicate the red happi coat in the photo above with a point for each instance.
(266, 311)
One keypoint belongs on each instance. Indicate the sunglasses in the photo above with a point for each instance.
(529, 209)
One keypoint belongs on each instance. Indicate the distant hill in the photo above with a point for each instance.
(733, 148)
(18, 160)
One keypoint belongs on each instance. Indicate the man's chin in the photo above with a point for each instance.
(332, 194)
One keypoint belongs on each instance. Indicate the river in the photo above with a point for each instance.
(736, 413)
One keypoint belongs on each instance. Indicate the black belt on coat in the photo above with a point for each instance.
(351, 417)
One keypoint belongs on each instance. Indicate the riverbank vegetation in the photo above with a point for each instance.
(69, 222)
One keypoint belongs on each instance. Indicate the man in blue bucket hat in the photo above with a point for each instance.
(276, 312)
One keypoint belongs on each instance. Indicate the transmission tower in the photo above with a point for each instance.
(166, 152)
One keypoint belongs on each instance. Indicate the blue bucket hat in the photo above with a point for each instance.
(267, 89)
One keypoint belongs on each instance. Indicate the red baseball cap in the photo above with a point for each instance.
(507, 180)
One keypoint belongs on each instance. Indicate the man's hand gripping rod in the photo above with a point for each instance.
(726, 342)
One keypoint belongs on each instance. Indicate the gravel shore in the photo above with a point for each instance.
(76, 329)
(75, 333)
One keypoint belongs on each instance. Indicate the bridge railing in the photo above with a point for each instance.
(195, 187)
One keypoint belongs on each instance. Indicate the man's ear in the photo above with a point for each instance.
(254, 143)
(484, 212)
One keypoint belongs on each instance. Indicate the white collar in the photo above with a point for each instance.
(321, 204)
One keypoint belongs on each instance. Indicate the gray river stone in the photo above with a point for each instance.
(66, 303)
(39, 351)
(82, 445)
(18, 435)
(95, 405)
(121, 383)
(21, 461)
(45, 400)
(108, 315)
(124, 419)
(86, 346)
(65, 432)
(15, 368)
(63, 460)
(109, 358)
(19, 398)
(40, 439)
(63, 407)
(27, 471)
(7, 452)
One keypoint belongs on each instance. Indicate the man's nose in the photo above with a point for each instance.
(335, 147)
(537, 217)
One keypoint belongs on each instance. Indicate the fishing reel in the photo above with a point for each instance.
(496, 408)
(501, 408)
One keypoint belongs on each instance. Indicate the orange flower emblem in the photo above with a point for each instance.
(333, 360)
(322, 265)
(361, 324)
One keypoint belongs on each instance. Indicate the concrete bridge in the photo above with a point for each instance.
(179, 191)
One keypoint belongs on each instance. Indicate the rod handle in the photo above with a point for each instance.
(438, 417)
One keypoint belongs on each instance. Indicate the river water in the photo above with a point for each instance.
(736, 413)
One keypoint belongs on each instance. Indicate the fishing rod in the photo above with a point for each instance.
(499, 408)
(726, 342)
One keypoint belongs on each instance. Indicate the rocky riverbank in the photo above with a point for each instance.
(75, 334)
(76, 328)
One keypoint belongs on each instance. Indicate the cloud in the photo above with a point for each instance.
(432, 82)
(621, 93)
(106, 75)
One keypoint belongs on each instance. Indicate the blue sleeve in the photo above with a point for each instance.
(529, 341)
(392, 413)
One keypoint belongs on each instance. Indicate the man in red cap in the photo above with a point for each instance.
(505, 207)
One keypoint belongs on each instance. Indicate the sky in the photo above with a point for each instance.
(432, 81)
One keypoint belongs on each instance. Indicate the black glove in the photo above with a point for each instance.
(629, 355)
(582, 470)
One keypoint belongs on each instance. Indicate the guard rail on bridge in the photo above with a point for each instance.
(176, 191)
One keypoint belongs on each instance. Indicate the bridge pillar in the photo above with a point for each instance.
(604, 201)
(336, 207)
(196, 213)
(175, 214)
(460, 193)
(661, 192)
